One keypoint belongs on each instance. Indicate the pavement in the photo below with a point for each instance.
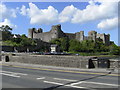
(19, 75)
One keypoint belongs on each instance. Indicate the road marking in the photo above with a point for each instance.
(62, 70)
(77, 83)
(95, 83)
(65, 79)
(14, 73)
(10, 75)
(62, 84)
(40, 78)
(53, 82)
(103, 83)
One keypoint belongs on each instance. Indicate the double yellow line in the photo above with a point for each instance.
(59, 70)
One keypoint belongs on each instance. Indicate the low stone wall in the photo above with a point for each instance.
(60, 60)
(114, 63)
(53, 60)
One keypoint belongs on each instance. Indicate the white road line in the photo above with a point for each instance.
(9, 75)
(40, 78)
(62, 84)
(64, 79)
(77, 83)
(103, 83)
(95, 83)
(14, 73)
(53, 82)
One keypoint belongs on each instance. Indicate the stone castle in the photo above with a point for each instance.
(56, 32)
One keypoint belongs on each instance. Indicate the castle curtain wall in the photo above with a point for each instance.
(56, 32)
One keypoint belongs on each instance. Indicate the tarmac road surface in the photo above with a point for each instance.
(19, 76)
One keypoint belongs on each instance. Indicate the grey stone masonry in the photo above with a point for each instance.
(51, 60)
(60, 61)
(56, 32)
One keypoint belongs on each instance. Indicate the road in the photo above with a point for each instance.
(48, 79)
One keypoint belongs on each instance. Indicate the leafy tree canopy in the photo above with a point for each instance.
(7, 38)
(6, 32)
(5, 28)
(62, 42)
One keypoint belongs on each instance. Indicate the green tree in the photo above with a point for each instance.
(114, 49)
(5, 28)
(27, 41)
(84, 46)
(17, 40)
(21, 41)
(23, 36)
(64, 44)
(6, 32)
(56, 41)
(101, 47)
(10, 43)
(87, 46)
(75, 45)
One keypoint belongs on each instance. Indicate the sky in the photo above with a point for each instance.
(73, 16)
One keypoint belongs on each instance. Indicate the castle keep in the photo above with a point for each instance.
(56, 32)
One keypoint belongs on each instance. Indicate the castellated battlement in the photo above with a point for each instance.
(56, 32)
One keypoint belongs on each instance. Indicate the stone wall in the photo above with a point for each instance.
(43, 36)
(105, 38)
(56, 32)
(62, 61)
(51, 60)
(114, 63)
(71, 35)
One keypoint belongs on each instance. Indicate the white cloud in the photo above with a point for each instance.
(67, 13)
(107, 0)
(108, 24)
(7, 12)
(93, 12)
(7, 22)
(40, 16)
(23, 10)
